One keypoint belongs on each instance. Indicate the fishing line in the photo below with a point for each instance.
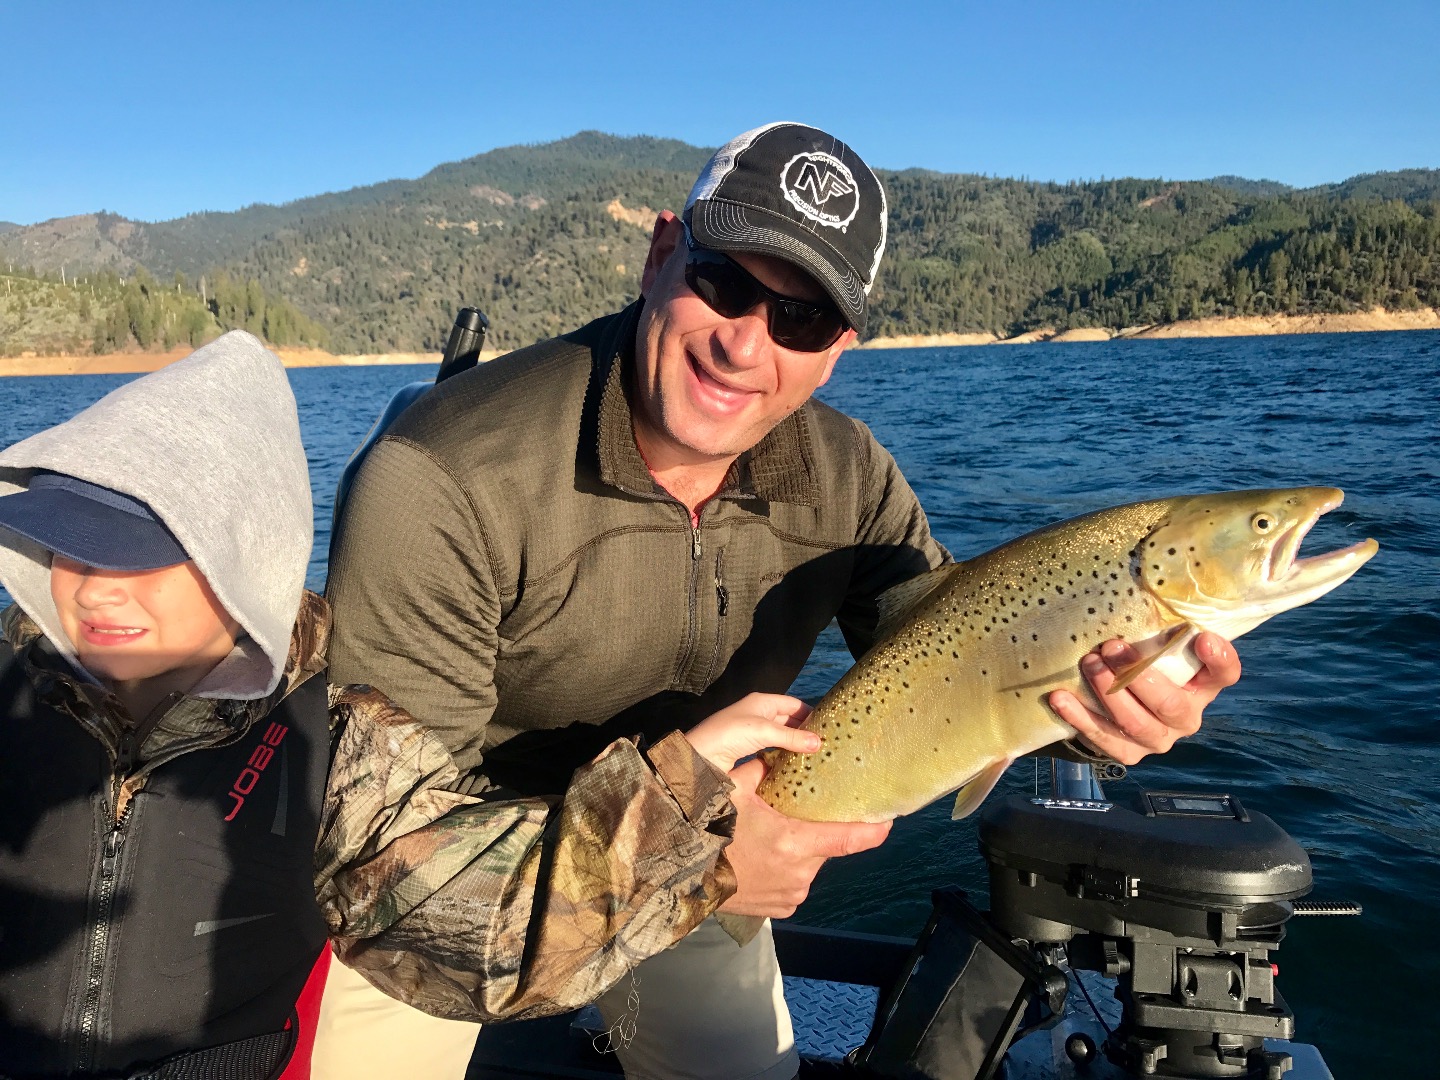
(1078, 982)
(622, 1033)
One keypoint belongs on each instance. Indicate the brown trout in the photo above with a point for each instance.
(955, 688)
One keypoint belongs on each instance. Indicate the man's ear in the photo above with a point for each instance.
(667, 236)
(841, 344)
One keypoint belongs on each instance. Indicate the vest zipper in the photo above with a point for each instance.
(99, 950)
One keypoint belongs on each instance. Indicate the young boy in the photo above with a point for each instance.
(172, 867)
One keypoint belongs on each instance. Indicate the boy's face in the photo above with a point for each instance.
(132, 625)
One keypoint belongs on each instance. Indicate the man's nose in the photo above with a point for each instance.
(745, 338)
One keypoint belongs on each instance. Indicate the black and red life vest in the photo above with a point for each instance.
(190, 923)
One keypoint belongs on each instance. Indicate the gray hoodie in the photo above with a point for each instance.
(212, 444)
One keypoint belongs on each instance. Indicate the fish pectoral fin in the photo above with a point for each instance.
(899, 601)
(742, 928)
(1179, 635)
(969, 797)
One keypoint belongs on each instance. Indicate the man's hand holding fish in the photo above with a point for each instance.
(1152, 712)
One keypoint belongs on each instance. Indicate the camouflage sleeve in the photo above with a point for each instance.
(488, 910)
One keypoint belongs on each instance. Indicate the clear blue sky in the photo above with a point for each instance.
(157, 109)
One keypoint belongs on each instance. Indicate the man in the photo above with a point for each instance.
(625, 529)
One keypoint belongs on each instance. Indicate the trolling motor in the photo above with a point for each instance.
(1179, 900)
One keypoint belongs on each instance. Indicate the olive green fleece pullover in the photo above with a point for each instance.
(509, 572)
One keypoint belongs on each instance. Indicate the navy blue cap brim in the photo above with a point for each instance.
(89, 532)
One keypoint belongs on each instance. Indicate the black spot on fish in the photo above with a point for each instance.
(1034, 637)
(1090, 611)
(1041, 601)
(1025, 664)
(1171, 551)
(1074, 637)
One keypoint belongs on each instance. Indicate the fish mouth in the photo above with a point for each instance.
(1292, 575)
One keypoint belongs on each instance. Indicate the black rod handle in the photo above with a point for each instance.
(467, 338)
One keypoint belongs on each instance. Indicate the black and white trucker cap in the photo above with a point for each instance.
(801, 195)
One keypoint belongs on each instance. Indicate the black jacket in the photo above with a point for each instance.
(154, 899)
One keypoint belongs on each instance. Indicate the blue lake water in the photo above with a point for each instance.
(1331, 731)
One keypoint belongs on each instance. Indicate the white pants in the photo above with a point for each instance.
(707, 1010)
(364, 1035)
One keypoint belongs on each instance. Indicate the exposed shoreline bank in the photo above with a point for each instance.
(1244, 326)
(1376, 319)
(135, 363)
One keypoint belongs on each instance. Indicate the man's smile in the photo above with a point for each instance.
(715, 389)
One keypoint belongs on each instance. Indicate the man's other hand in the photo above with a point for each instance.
(775, 858)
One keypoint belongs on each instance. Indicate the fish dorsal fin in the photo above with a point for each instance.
(1179, 635)
(898, 602)
(969, 797)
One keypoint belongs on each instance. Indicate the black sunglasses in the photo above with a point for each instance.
(731, 291)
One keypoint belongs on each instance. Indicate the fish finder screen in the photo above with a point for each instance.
(1194, 804)
(1204, 806)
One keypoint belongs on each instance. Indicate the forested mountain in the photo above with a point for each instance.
(1249, 187)
(103, 312)
(544, 237)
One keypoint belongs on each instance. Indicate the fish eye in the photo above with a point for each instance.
(1262, 523)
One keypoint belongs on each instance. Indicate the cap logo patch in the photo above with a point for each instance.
(821, 188)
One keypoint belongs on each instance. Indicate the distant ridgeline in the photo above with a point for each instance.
(544, 238)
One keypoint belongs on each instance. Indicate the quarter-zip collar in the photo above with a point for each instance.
(780, 468)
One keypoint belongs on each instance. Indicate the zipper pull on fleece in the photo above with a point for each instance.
(695, 542)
